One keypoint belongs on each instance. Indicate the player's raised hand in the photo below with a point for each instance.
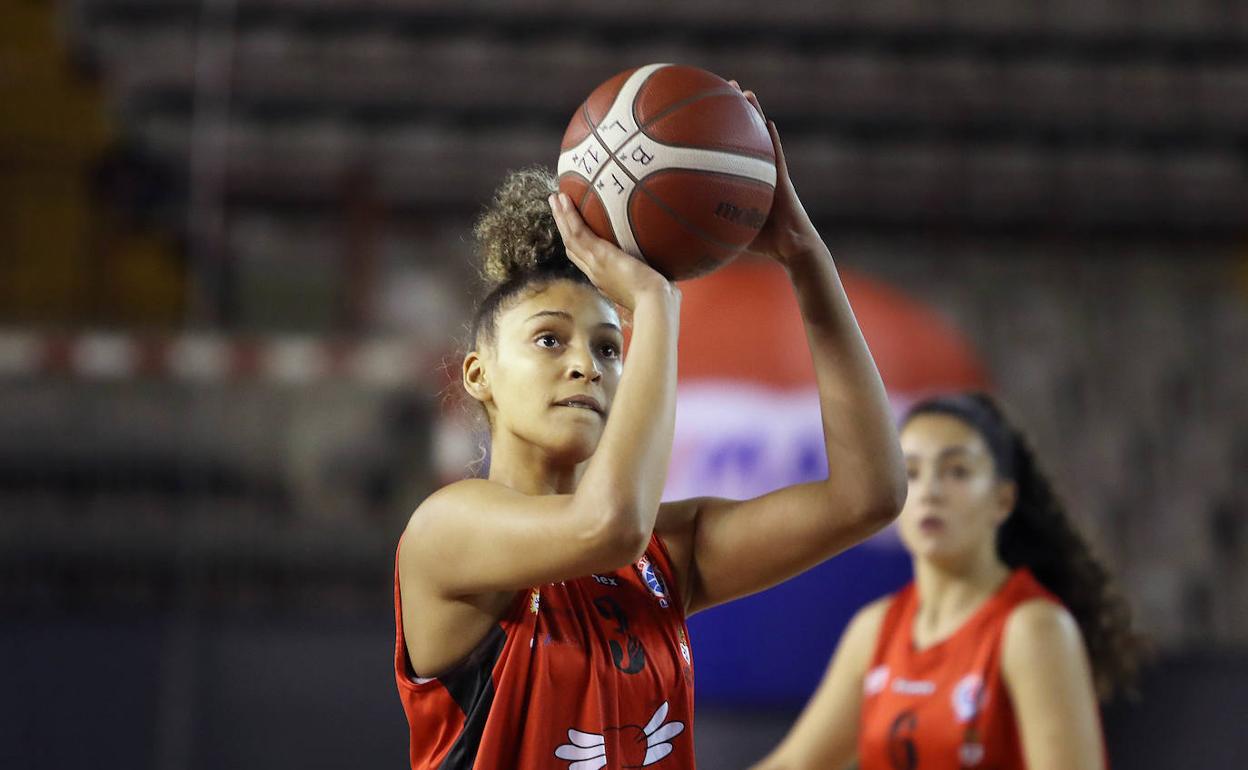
(788, 231)
(620, 276)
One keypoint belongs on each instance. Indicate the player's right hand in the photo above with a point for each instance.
(623, 278)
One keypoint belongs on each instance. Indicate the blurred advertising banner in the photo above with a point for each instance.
(748, 422)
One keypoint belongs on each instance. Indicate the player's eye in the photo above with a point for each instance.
(547, 341)
(609, 351)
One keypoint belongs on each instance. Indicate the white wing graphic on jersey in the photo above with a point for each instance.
(588, 751)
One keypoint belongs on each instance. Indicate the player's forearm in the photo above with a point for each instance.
(629, 468)
(864, 458)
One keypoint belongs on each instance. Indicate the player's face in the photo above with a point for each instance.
(554, 368)
(956, 501)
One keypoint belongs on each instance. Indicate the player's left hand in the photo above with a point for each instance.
(788, 233)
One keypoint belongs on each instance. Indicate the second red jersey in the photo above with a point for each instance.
(944, 707)
(583, 674)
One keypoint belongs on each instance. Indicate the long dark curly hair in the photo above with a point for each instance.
(1038, 534)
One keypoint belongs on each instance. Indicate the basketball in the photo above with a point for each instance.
(673, 165)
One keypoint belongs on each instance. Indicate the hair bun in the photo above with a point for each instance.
(517, 232)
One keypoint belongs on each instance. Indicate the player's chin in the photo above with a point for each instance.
(946, 555)
(924, 545)
(577, 444)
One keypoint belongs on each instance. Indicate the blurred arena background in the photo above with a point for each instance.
(234, 260)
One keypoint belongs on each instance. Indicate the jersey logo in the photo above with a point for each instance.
(653, 580)
(903, 752)
(626, 651)
(640, 746)
(971, 752)
(968, 697)
(875, 681)
(903, 686)
(684, 647)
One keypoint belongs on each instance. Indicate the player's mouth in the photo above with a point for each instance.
(584, 402)
(931, 525)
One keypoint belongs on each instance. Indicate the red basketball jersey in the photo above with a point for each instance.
(583, 674)
(945, 707)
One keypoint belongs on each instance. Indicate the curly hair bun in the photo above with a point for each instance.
(517, 232)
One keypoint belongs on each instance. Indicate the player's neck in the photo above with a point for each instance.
(950, 593)
(525, 468)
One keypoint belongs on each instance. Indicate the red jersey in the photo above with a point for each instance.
(945, 707)
(582, 674)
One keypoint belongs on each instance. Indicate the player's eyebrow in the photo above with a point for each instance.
(556, 313)
(568, 317)
(943, 454)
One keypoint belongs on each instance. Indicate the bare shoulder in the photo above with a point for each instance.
(442, 507)
(1039, 630)
(861, 635)
(452, 498)
(864, 628)
(1041, 621)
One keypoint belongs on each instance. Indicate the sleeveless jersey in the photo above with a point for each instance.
(945, 707)
(582, 674)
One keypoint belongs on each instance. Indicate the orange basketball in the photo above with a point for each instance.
(673, 165)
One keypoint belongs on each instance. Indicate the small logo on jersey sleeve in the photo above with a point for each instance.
(653, 580)
(535, 600)
(684, 647)
(875, 681)
(640, 746)
(968, 697)
(971, 754)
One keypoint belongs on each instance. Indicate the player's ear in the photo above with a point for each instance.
(475, 379)
(1007, 497)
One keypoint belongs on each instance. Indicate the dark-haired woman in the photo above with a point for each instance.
(993, 655)
(541, 611)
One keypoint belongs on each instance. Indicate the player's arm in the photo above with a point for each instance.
(1047, 674)
(723, 549)
(478, 536)
(825, 735)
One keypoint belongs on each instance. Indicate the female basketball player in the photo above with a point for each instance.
(541, 610)
(989, 658)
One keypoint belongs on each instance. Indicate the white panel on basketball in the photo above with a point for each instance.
(643, 156)
(583, 160)
(618, 155)
(619, 123)
(614, 129)
(615, 189)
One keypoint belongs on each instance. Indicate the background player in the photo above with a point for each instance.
(541, 610)
(992, 656)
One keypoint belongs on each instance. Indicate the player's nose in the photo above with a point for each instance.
(583, 366)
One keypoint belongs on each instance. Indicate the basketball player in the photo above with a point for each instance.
(992, 657)
(541, 611)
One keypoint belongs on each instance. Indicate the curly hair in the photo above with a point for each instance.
(519, 246)
(1038, 534)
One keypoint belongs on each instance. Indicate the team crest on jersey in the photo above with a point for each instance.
(653, 580)
(968, 697)
(535, 600)
(875, 680)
